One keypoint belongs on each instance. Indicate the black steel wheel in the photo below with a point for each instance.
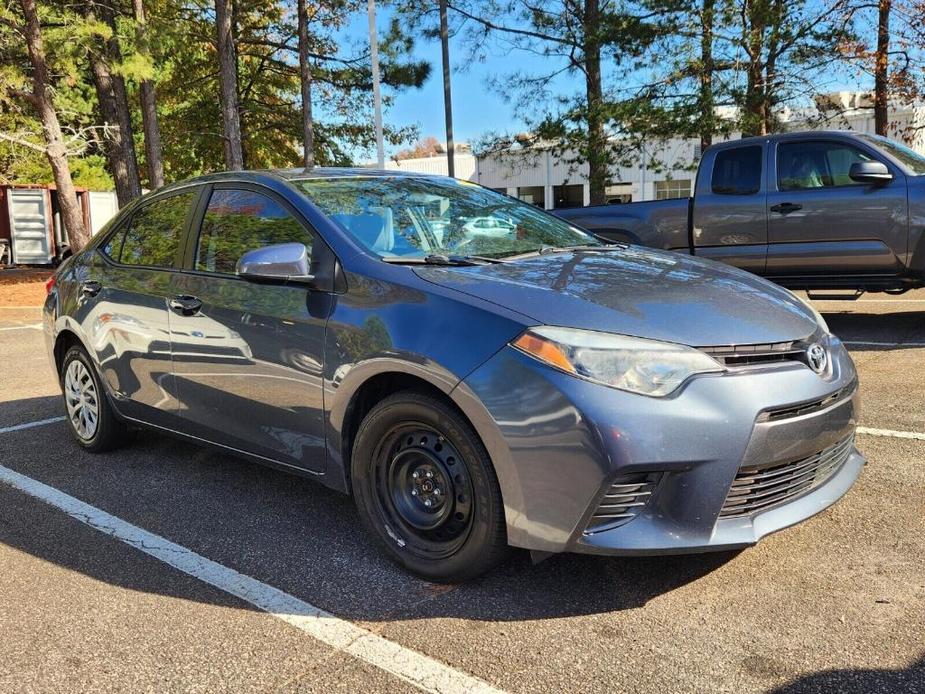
(425, 486)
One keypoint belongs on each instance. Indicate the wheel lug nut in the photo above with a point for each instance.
(414, 492)
(429, 474)
(415, 475)
(428, 503)
(437, 491)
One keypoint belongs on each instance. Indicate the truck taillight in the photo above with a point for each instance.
(50, 284)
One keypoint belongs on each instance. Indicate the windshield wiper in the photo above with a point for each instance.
(441, 259)
(546, 250)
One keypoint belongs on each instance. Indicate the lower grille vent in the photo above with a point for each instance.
(623, 501)
(760, 488)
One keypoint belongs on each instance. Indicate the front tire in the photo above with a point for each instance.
(426, 489)
(90, 417)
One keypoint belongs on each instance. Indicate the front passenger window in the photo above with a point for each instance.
(238, 221)
(808, 165)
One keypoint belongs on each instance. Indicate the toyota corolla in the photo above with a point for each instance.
(537, 389)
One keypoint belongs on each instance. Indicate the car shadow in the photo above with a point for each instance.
(891, 329)
(287, 531)
(859, 681)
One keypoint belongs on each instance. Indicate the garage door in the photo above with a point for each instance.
(29, 218)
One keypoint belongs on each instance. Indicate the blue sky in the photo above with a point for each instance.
(477, 108)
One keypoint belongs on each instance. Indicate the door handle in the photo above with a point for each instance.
(786, 207)
(185, 305)
(90, 288)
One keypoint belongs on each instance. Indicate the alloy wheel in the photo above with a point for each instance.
(80, 395)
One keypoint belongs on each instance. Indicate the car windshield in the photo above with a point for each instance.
(403, 217)
(912, 160)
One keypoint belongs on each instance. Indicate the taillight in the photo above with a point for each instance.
(50, 284)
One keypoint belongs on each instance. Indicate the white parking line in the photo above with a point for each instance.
(892, 433)
(30, 425)
(874, 343)
(415, 668)
(33, 326)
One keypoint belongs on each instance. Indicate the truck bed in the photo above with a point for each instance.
(654, 223)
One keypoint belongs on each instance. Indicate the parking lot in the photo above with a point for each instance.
(138, 593)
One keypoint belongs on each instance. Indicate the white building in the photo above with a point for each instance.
(538, 176)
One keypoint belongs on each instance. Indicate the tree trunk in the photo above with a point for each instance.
(228, 82)
(447, 95)
(114, 149)
(152, 131)
(707, 17)
(754, 121)
(597, 154)
(305, 74)
(113, 104)
(881, 69)
(71, 211)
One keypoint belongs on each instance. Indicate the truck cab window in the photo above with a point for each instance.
(808, 165)
(737, 171)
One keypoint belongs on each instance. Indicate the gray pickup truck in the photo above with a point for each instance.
(816, 210)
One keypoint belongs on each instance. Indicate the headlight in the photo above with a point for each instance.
(641, 366)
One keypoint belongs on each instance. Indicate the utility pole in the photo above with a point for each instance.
(447, 97)
(377, 97)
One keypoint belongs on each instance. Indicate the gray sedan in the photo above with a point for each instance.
(473, 392)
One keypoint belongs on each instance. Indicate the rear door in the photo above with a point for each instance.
(730, 218)
(248, 356)
(123, 306)
(823, 223)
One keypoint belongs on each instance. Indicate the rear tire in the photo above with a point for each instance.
(90, 417)
(426, 489)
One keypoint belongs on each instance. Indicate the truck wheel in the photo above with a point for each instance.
(90, 417)
(426, 489)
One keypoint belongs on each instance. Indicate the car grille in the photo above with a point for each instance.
(733, 356)
(788, 411)
(625, 499)
(759, 488)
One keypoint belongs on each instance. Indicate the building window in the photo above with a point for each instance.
(534, 195)
(618, 193)
(568, 196)
(674, 188)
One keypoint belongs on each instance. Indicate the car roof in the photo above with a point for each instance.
(796, 135)
(318, 172)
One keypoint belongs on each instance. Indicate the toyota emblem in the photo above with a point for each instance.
(817, 358)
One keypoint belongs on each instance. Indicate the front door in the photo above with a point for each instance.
(730, 220)
(820, 222)
(248, 356)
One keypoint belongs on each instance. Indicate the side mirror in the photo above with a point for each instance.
(869, 172)
(284, 262)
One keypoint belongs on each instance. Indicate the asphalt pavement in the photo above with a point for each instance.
(834, 604)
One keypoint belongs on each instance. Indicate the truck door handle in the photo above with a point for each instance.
(185, 305)
(90, 288)
(786, 207)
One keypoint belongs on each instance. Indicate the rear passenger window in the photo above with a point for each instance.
(238, 221)
(737, 171)
(152, 237)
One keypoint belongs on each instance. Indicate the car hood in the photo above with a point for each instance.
(640, 292)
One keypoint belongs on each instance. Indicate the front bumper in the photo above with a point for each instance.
(564, 441)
